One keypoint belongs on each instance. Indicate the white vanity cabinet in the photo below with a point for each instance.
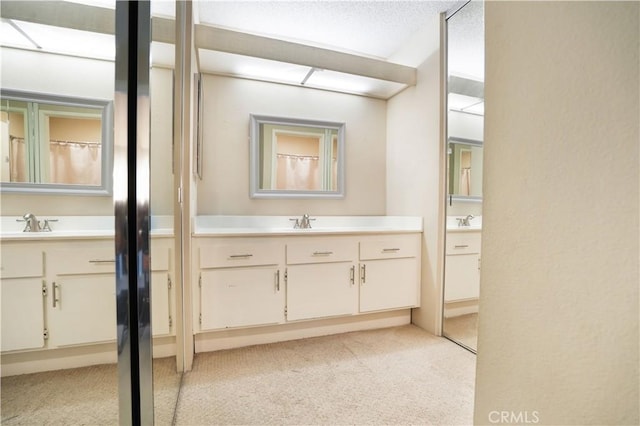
(389, 272)
(22, 293)
(271, 280)
(62, 292)
(162, 289)
(82, 293)
(240, 284)
(462, 266)
(321, 277)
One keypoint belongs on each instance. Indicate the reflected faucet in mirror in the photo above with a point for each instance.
(33, 224)
(465, 221)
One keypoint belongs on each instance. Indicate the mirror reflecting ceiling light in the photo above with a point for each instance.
(463, 103)
(51, 39)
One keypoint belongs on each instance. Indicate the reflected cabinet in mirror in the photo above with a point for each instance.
(293, 157)
(55, 144)
(465, 168)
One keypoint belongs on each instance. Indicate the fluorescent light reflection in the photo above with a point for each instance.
(59, 40)
(463, 103)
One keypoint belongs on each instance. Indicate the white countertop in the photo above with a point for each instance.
(216, 225)
(76, 227)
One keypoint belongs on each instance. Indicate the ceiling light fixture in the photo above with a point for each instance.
(24, 34)
(309, 74)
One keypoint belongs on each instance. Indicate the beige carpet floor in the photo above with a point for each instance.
(81, 396)
(394, 376)
(463, 329)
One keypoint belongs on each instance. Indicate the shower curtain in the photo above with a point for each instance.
(69, 162)
(297, 172)
(465, 181)
(75, 162)
(17, 171)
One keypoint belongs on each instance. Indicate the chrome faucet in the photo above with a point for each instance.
(305, 222)
(302, 223)
(465, 221)
(32, 224)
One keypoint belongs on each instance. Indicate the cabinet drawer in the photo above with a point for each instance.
(232, 255)
(463, 243)
(391, 248)
(93, 260)
(322, 251)
(21, 262)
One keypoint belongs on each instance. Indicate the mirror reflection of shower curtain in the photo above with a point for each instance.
(465, 181)
(17, 171)
(74, 162)
(69, 162)
(297, 172)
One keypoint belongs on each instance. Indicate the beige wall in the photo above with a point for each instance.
(228, 102)
(89, 78)
(415, 169)
(68, 76)
(558, 326)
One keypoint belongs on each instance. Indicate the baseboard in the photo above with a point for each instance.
(38, 361)
(228, 339)
(456, 309)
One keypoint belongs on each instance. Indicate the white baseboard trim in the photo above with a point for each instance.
(456, 309)
(228, 339)
(37, 361)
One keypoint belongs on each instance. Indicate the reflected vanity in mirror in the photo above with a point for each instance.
(291, 157)
(465, 168)
(55, 144)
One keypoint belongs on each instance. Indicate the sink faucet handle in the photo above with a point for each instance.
(296, 225)
(47, 225)
(32, 223)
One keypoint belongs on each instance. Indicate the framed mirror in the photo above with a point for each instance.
(465, 168)
(291, 157)
(55, 144)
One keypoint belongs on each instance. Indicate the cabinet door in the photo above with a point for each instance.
(160, 304)
(462, 277)
(22, 314)
(321, 290)
(241, 297)
(82, 309)
(388, 284)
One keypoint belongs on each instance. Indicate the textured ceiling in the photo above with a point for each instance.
(370, 28)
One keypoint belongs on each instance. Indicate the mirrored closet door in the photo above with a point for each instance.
(59, 349)
(464, 147)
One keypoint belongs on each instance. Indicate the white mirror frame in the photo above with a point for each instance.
(106, 177)
(254, 154)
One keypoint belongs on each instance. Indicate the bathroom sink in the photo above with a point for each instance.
(76, 227)
(284, 225)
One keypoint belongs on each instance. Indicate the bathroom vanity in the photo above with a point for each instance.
(260, 279)
(462, 267)
(58, 294)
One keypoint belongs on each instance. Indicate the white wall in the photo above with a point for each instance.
(88, 78)
(558, 324)
(415, 169)
(228, 102)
